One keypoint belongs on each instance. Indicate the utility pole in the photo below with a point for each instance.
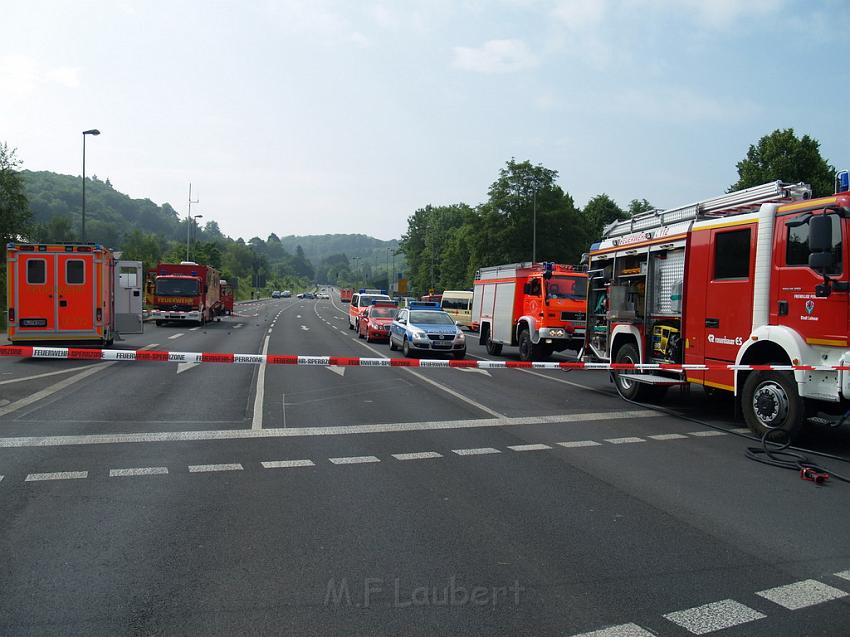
(534, 228)
(93, 131)
(189, 220)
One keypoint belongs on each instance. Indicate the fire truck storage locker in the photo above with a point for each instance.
(129, 298)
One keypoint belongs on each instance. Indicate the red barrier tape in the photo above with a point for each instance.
(78, 353)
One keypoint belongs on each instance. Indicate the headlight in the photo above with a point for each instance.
(419, 335)
(459, 336)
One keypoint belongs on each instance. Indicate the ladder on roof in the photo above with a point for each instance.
(732, 203)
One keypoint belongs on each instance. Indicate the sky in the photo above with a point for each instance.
(313, 117)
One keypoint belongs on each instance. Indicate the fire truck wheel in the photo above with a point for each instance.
(770, 400)
(526, 347)
(630, 389)
(494, 349)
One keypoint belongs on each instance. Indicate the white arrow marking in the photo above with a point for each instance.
(473, 369)
(337, 369)
(305, 328)
(182, 367)
(297, 316)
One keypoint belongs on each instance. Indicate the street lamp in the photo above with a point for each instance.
(92, 131)
(195, 225)
(534, 229)
(356, 276)
(189, 223)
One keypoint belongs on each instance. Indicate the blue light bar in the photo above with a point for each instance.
(843, 181)
(424, 305)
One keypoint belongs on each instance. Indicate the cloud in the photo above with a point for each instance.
(21, 76)
(495, 56)
(578, 15)
(317, 20)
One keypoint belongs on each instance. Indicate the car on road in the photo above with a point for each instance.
(300, 295)
(360, 302)
(276, 294)
(374, 323)
(309, 295)
(323, 295)
(286, 294)
(425, 328)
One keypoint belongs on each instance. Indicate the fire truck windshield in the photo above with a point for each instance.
(176, 287)
(567, 287)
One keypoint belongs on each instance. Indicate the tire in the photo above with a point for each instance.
(359, 331)
(405, 349)
(459, 356)
(350, 326)
(159, 323)
(392, 344)
(494, 349)
(528, 351)
(108, 343)
(630, 389)
(770, 400)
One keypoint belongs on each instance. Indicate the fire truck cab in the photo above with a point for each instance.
(754, 277)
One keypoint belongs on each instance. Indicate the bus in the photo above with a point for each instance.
(458, 304)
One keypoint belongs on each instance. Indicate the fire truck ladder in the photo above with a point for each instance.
(733, 203)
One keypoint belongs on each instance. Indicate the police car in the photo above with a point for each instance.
(425, 328)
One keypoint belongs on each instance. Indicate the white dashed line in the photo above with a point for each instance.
(283, 464)
(715, 616)
(668, 437)
(178, 335)
(843, 575)
(59, 475)
(478, 451)
(205, 468)
(741, 430)
(801, 594)
(623, 630)
(709, 433)
(238, 325)
(422, 455)
(138, 471)
(537, 447)
(580, 443)
(192, 329)
(354, 459)
(623, 441)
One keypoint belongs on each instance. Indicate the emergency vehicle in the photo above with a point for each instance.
(539, 307)
(360, 302)
(227, 297)
(754, 277)
(375, 322)
(186, 292)
(345, 295)
(71, 292)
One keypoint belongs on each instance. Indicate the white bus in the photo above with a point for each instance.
(458, 304)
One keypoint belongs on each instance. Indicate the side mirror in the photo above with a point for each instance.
(820, 243)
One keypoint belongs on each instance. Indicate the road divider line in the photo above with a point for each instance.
(283, 464)
(421, 455)
(802, 594)
(668, 437)
(570, 444)
(208, 468)
(259, 394)
(707, 433)
(173, 336)
(476, 451)
(138, 471)
(58, 475)
(354, 460)
(534, 447)
(714, 616)
(37, 376)
(621, 630)
(624, 441)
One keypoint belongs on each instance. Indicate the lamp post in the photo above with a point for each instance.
(356, 276)
(389, 284)
(92, 131)
(189, 223)
(195, 225)
(534, 228)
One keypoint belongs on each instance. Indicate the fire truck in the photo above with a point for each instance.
(539, 307)
(187, 292)
(227, 298)
(757, 277)
(71, 292)
(345, 295)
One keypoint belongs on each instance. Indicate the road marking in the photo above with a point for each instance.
(17, 442)
(336, 369)
(36, 376)
(238, 325)
(709, 433)
(843, 575)
(476, 451)
(182, 367)
(354, 459)
(178, 335)
(305, 328)
(192, 329)
(422, 455)
(668, 437)
(206, 468)
(49, 391)
(138, 471)
(297, 316)
(801, 594)
(579, 443)
(4, 402)
(59, 475)
(623, 441)
(283, 464)
(257, 419)
(536, 447)
(474, 370)
(741, 430)
(623, 630)
(715, 616)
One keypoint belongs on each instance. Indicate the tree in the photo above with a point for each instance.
(782, 155)
(600, 211)
(14, 207)
(638, 206)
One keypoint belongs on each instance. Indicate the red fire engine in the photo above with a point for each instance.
(540, 307)
(227, 298)
(187, 292)
(71, 292)
(345, 295)
(754, 277)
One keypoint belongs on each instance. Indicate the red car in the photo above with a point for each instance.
(374, 323)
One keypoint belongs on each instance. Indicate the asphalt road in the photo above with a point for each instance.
(156, 498)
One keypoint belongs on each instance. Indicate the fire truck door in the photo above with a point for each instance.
(35, 293)
(128, 297)
(729, 291)
(820, 321)
(76, 292)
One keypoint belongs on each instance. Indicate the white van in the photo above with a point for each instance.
(458, 304)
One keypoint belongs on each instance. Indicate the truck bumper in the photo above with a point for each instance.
(176, 316)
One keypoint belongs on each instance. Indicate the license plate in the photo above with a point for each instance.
(33, 322)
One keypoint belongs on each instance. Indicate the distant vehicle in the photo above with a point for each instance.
(345, 295)
(361, 301)
(68, 292)
(227, 297)
(323, 295)
(187, 292)
(276, 294)
(423, 328)
(539, 307)
(374, 323)
(458, 305)
(432, 298)
(309, 295)
(286, 294)
(300, 295)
